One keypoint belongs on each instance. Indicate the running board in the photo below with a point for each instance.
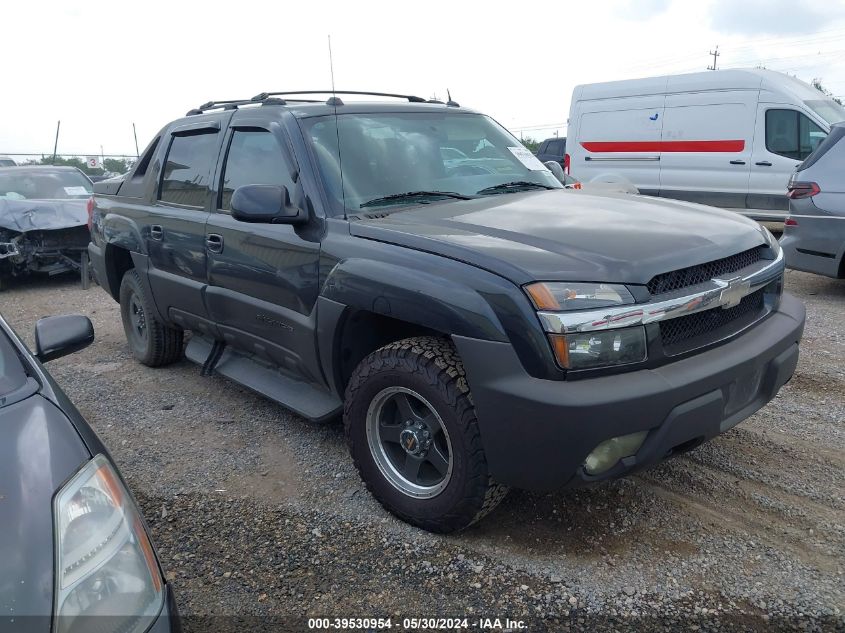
(300, 397)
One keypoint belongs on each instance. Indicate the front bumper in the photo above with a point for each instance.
(537, 433)
(168, 619)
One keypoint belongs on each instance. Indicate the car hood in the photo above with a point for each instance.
(568, 234)
(42, 215)
(39, 450)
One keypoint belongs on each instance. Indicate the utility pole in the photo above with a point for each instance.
(135, 134)
(715, 54)
(56, 144)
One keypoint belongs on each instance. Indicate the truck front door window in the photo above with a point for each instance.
(791, 134)
(254, 158)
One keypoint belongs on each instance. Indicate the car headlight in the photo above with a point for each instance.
(589, 350)
(107, 576)
(771, 240)
(577, 296)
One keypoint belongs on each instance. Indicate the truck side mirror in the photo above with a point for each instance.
(268, 204)
(557, 170)
(58, 336)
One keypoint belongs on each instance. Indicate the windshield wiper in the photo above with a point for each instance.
(413, 195)
(516, 185)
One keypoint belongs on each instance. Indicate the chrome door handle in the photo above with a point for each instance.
(156, 232)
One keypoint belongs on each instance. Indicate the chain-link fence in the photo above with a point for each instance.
(92, 164)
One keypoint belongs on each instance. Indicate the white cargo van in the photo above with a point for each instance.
(728, 138)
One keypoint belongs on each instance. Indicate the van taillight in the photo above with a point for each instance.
(90, 207)
(566, 163)
(790, 221)
(797, 190)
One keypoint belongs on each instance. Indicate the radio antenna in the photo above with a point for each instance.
(334, 101)
(331, 64)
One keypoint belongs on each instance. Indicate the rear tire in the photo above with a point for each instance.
(412, 430)
(152, 342)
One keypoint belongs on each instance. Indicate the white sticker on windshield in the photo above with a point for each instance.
(528, 159)
(76, 191)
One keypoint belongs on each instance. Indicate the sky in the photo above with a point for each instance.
(101, 66)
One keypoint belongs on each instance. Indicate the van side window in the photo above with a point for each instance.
(254, 158)
(792, 134)
(187, 169)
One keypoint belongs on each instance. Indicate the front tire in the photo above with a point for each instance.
(413, 434)
(152, 342)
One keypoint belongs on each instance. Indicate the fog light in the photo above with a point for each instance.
(606, 454)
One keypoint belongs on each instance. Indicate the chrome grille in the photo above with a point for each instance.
(675, 331)
(677, 279)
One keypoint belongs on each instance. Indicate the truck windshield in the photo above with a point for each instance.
(382, 156)
(827, 109)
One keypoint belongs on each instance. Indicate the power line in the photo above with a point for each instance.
(787, 57)
(45, 154)
(833, 35)
(549, 126)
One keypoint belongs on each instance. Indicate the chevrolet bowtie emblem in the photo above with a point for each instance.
(734, 292)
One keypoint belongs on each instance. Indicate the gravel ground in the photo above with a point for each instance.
(261, 521)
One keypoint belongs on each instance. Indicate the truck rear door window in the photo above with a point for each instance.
(187, 169)
(792, 134)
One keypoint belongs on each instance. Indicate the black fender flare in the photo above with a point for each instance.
(414, 296)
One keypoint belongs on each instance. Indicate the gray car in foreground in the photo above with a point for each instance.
(75, 555)
(814, 233)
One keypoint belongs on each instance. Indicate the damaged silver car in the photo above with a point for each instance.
(43, 220)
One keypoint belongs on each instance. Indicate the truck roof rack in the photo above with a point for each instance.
(410, 98)
(273, 98)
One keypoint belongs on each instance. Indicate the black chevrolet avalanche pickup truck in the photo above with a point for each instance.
(411, 266)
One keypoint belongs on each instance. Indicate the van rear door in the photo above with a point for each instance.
(783, 137)
(706, 147)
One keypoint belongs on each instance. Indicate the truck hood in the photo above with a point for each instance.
(568, 235)
(39, 450)
(42, 215)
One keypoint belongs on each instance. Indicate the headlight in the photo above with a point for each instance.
(772, 241)
(105, 565)
(577, 296)
(588, 350)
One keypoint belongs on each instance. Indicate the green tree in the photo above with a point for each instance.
(116, 165)
(69, 162)
(109, 164)
(817, 84)
(531, 143)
